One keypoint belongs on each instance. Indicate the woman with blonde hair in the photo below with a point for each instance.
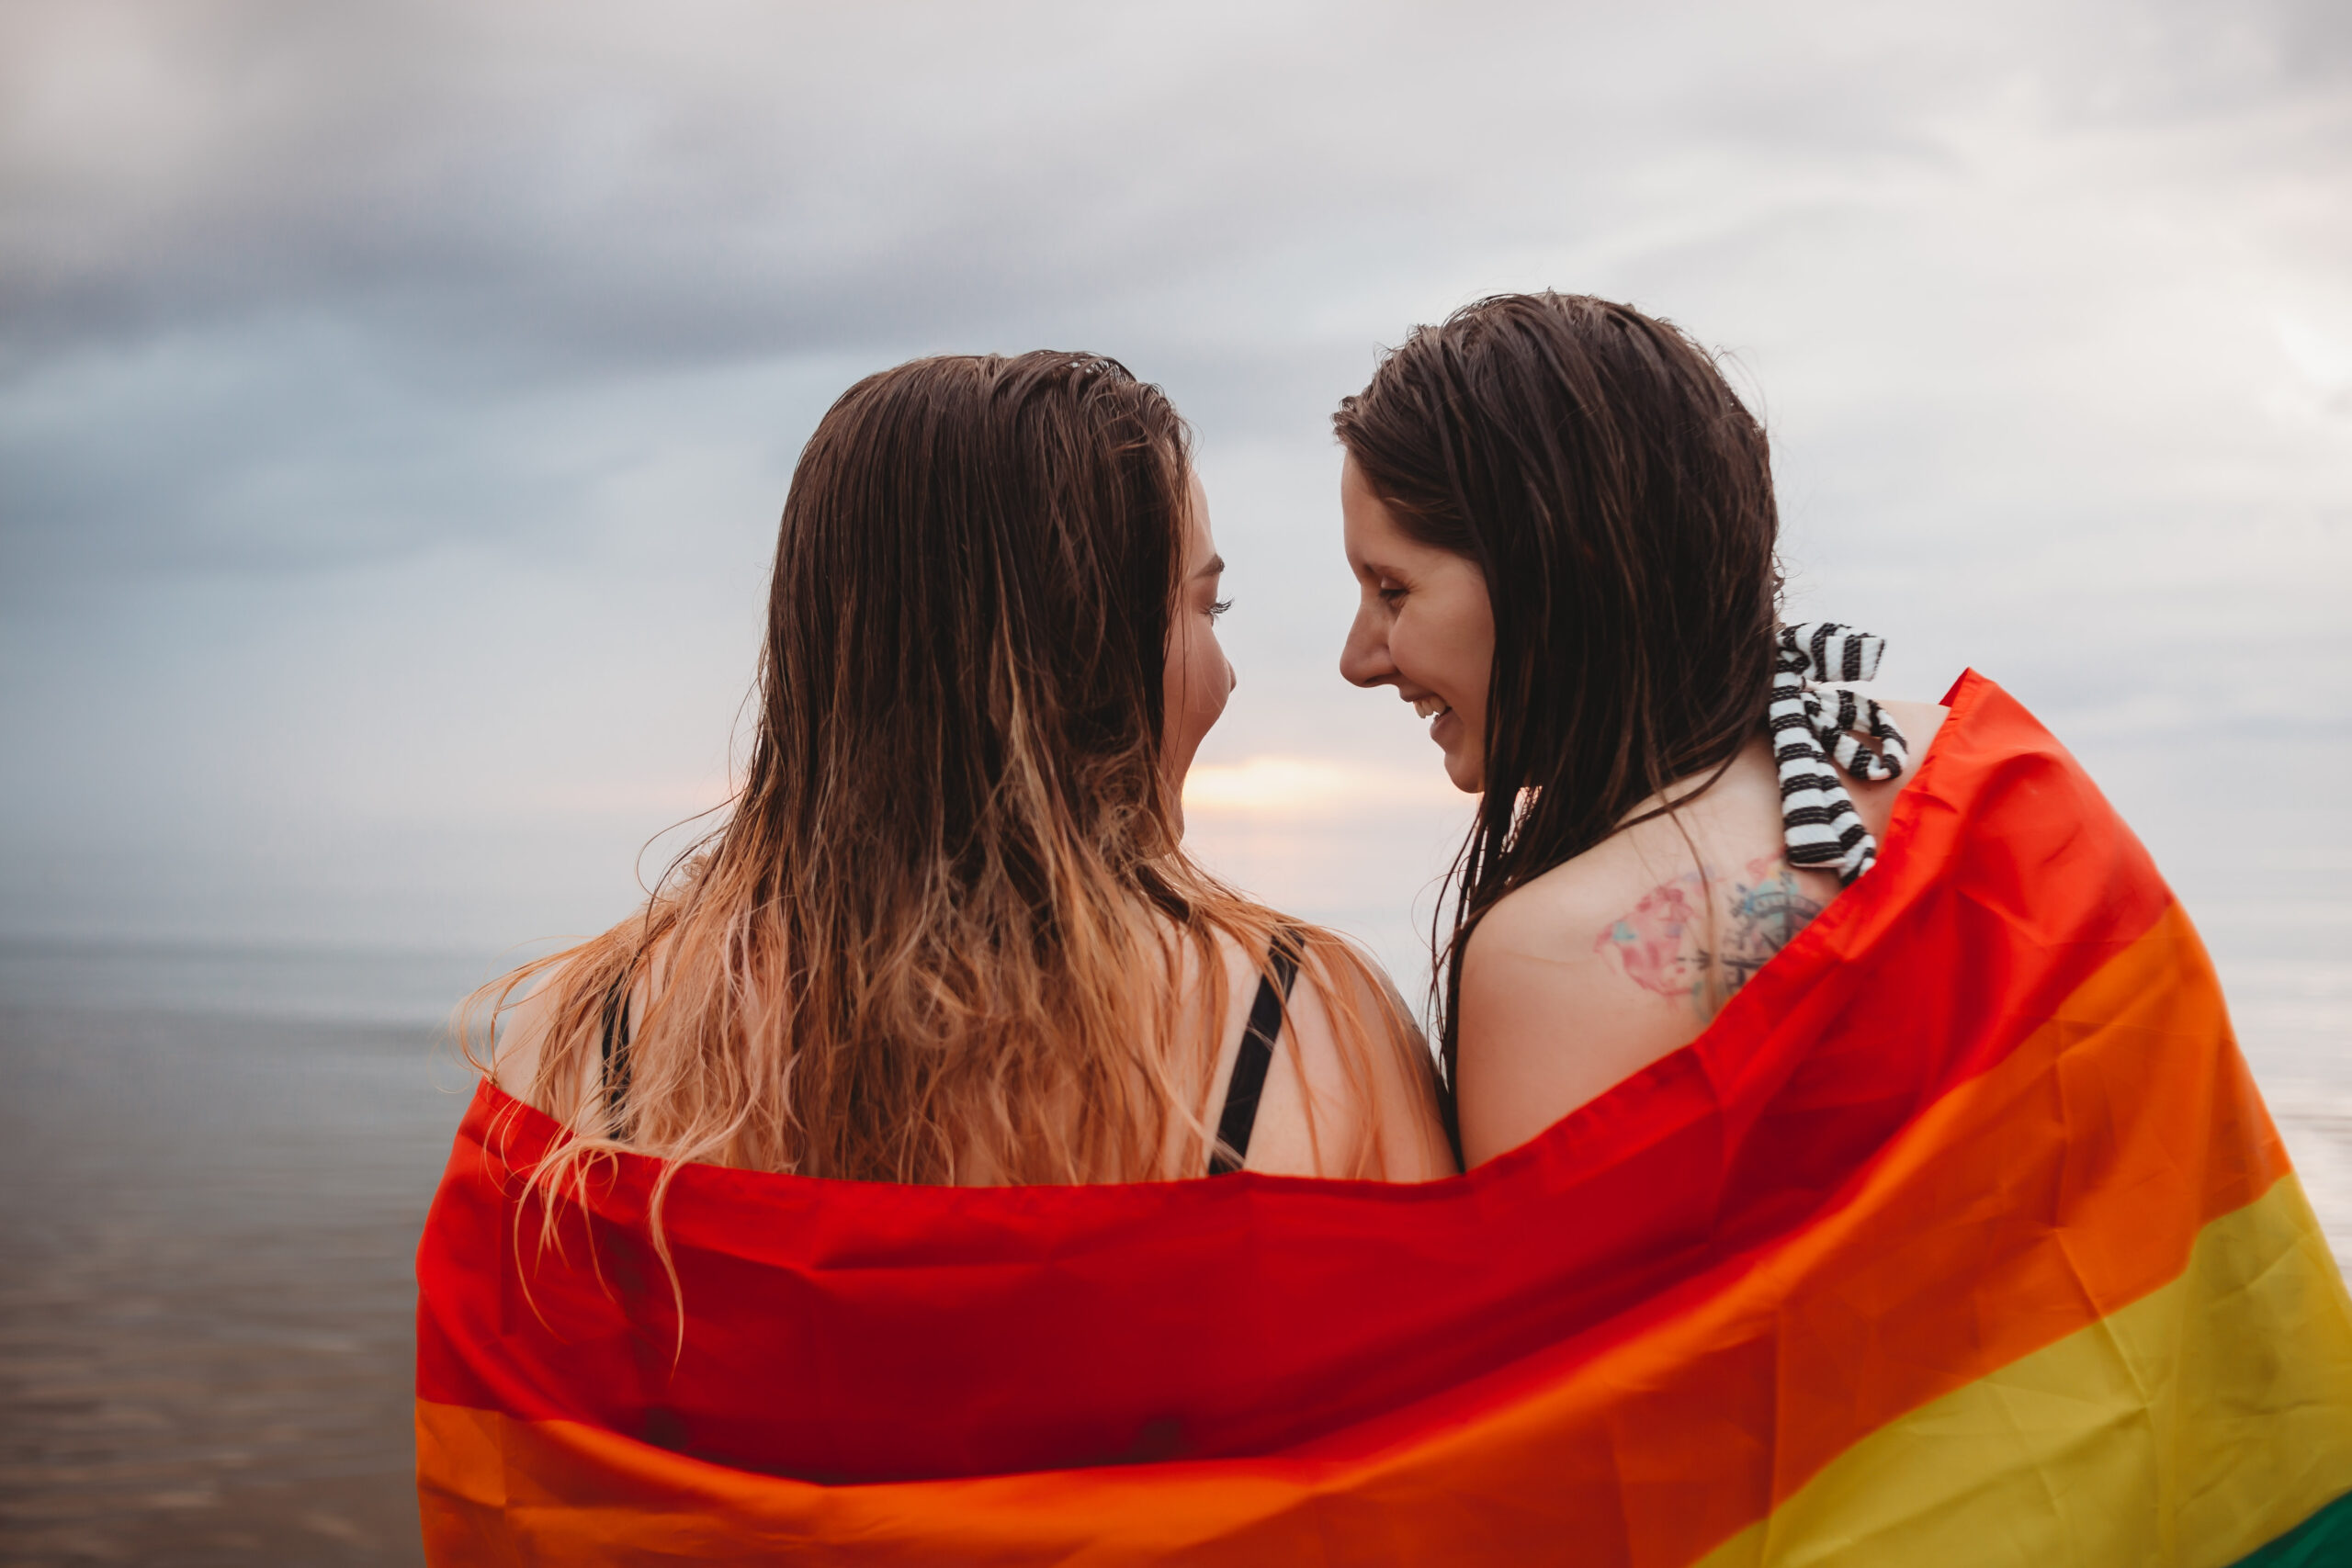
(948, 932)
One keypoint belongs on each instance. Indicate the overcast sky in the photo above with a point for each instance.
(396, 400)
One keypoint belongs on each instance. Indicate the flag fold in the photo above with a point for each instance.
(1961, 1235)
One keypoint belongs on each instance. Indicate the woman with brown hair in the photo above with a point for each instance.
(1561, 523)
(948, 933)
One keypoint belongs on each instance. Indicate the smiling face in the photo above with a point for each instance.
(1198, 679)
(1423, 625)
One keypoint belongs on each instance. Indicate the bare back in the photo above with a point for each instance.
(1340, 1097)
(1623, 954)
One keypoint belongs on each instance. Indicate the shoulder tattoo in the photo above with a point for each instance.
(1677, 941)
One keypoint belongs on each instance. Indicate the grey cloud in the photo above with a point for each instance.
(394, 400)
(577, 188)
(580, 185)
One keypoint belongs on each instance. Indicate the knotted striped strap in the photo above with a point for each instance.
(1811, 724)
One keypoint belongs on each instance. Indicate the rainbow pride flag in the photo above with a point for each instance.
(1961, 1237)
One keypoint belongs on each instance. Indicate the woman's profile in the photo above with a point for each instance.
(1561, 521)
(948, 933)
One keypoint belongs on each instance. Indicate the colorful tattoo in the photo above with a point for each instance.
(1661, 943)
(1656, 941)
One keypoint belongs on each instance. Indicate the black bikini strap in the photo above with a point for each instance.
(1257, 1053)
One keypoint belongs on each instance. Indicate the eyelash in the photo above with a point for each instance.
(1219, 608)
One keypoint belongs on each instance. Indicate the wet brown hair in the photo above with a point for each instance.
(1618, 498)
(948, 933)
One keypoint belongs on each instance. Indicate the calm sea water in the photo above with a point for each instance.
(217, 1163)
(217, 1166)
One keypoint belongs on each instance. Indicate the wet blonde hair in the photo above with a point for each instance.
(946, 932)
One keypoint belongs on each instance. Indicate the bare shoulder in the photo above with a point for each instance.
(1352, 1090)
(1530, 920)
(1619, 956)
(1546, 1017)
(1919, 722)
(523, 1026)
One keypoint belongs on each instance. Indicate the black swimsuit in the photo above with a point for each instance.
(1242, 1092)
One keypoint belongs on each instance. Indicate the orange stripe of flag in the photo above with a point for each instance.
(2067, 1181)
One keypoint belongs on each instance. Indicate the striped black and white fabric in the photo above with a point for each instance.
(1814, 724)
